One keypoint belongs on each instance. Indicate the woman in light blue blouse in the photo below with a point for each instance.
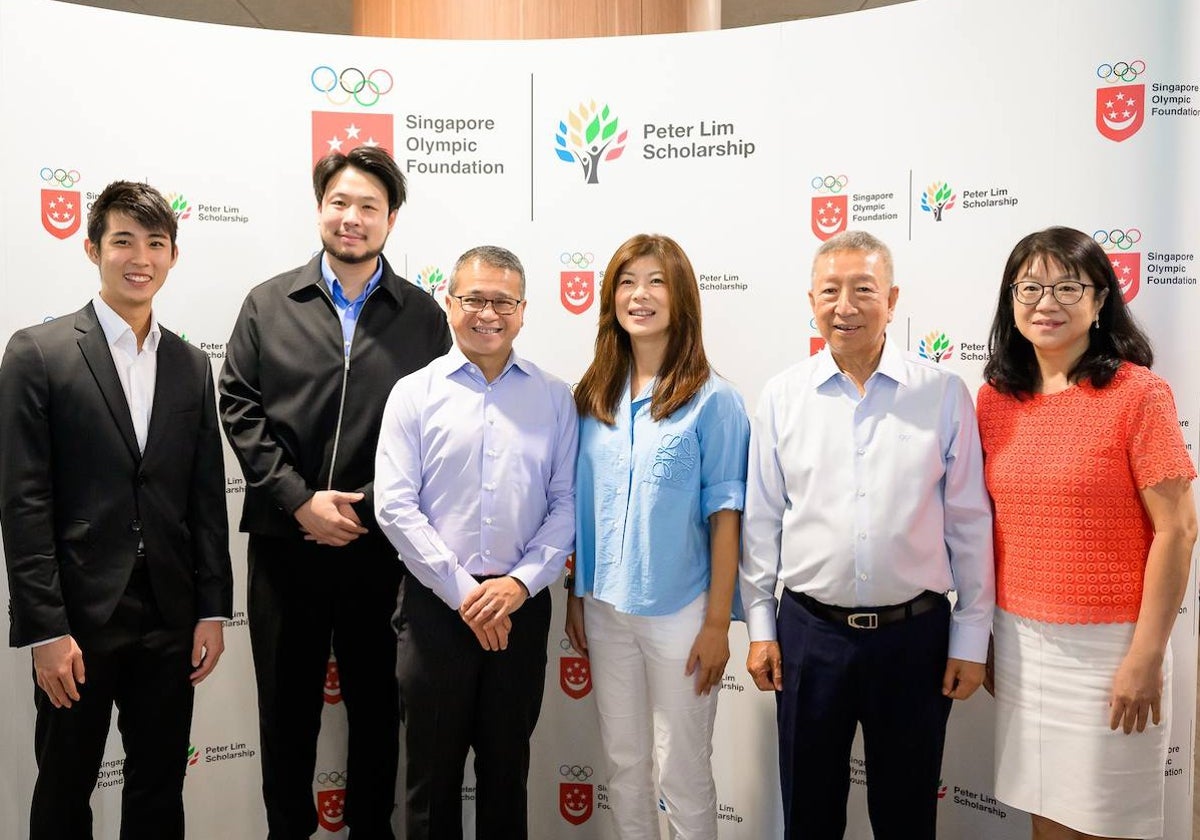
(660, 485)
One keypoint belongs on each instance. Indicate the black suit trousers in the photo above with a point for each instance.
(458, 696)
(303, 600)
(141, 665)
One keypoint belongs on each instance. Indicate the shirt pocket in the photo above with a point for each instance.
(675, 461)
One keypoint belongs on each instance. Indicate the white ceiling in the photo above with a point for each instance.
(335, 16)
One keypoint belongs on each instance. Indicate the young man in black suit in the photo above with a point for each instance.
(112, 506)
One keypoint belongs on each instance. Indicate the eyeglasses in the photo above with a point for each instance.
(1066, 292)
(473, 303)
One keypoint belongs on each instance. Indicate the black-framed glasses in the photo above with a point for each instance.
(1066, 292)
(475, 303)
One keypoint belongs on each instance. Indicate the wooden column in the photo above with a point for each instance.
(516, 19)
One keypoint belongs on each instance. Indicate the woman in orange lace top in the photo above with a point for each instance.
(1094, 526)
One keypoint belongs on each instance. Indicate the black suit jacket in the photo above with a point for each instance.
(76, 497)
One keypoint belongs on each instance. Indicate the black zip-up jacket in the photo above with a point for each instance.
(299, 415)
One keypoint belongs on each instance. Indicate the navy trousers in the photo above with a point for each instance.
(889, 680)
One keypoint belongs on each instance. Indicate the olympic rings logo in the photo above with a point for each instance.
(577, 259)
(335, 777)
(60, 176)
(1117, 239)
(565, 644)
(351, 83)
(829, 183)
(1122, 71)
(574, 771)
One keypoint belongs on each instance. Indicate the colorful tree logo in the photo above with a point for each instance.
(179, 206)
(937, 197)
(431, 279)
(935, 347)
(587, 137)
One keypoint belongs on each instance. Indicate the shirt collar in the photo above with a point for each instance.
(455, 361)
(891, 365)
(115, 327)
(335, 285)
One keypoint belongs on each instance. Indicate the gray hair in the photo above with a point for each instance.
(492, 255)
(857, 240)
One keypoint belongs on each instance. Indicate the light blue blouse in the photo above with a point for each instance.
(644, 492)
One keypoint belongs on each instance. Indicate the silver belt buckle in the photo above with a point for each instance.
(863, 621)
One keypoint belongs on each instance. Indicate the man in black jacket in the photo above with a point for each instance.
(309, 366)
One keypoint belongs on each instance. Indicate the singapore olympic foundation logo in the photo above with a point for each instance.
(61, 209)
(574, 672)
(938, 198)
(829, 209)
(344, 131)
(333, 682)
(1120, 109)
(351, 84)
(576, 284)
(331, 799)
(575, 796)
(1126, 263)
(589, 136)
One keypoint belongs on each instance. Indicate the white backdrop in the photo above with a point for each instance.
(747, 146)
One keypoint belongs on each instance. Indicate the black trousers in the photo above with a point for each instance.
(889, 680)
(458, 696)
(304, 599)
(140, 665)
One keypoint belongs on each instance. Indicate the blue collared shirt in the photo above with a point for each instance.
(862, 501)
(478, 478)
(348, 310)
(645, 490)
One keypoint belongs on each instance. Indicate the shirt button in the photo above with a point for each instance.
(492, 453)
(487, 552)
(487, 521)
(862, 535)
(489, 487)
(489, 387)
(862, 452)
(862, 492)
(863, 576)
(615, 526)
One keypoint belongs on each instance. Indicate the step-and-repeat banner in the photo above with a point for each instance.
(948, 129)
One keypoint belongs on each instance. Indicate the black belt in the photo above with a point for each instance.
(870, 618)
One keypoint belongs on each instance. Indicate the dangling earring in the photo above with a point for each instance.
(1096, 323)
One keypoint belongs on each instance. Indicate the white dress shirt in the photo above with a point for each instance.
(868, 501)
(136, 369)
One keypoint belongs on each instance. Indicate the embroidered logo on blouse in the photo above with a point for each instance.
(675, 458)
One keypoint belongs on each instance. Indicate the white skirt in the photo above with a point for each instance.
(1055, 754)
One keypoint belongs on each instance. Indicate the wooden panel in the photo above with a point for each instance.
(512, 19)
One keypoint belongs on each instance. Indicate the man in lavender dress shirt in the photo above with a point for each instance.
(474, 486)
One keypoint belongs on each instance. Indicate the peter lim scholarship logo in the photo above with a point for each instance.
(61, 208)
(179, 206)
(829, 210)
(1120, 108)
(1126, 263)
(938, 198)
(575, 798)
(577, 285)
(935, 347)
(431, 279)
(589, 136)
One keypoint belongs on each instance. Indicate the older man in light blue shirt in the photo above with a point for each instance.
(865, 498)
(474, 486)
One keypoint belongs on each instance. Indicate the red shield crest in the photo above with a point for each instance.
(1120, 111)
(574, 802)
(575, 676)
(577, 289)
(331, 805)
(1128, 268)
(333, 683)
(815, 345)
(61, 212)
(341, 131)
(828, 215)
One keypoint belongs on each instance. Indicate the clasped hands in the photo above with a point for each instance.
(488, 610)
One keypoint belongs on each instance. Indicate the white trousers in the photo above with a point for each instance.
(649, 710)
